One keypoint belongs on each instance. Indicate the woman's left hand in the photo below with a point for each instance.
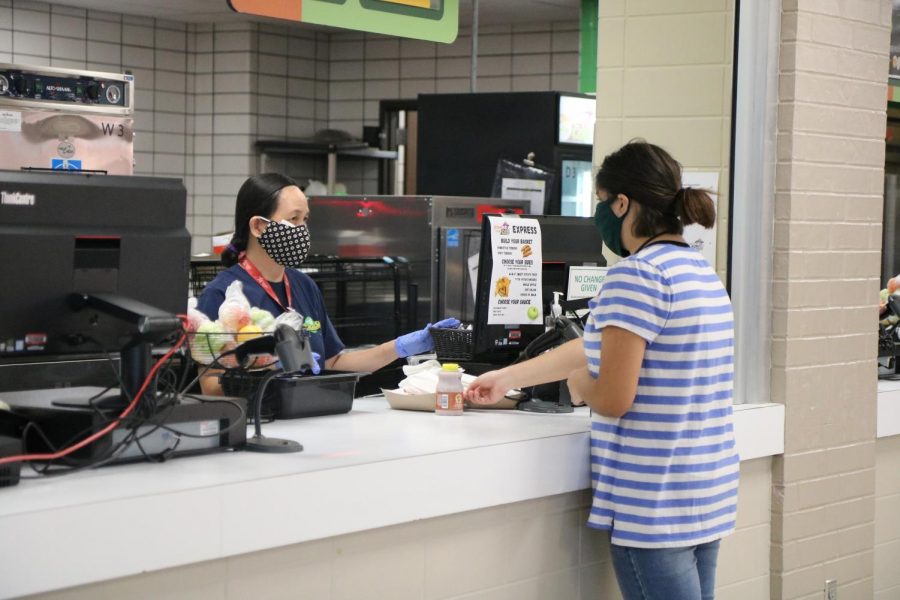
(419, 342)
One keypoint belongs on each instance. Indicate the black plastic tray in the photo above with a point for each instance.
(296, 396)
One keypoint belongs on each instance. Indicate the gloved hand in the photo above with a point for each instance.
(315, 367)
(419, 342)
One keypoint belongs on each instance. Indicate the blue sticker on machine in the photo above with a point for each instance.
(453, 238)
(65, 164)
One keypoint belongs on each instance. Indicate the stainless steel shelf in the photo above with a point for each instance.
(329, 149)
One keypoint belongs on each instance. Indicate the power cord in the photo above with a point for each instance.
(107, 428)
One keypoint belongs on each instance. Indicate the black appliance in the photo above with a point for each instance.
(434, 238)
(66, 233)
(463, 136)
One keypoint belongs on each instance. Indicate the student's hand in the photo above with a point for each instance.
(420, 342)
(488, 388)
(576, 381)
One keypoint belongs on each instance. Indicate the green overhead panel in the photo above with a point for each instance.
(431, 20)
(587, 80)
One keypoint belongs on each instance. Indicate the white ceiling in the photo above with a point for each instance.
(490, 12)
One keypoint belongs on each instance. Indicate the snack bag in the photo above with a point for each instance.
(209, 341)
(262, 319)
(195, 317)
(234, 313)
(290, 317)
(238, 322)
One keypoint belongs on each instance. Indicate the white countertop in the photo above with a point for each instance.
(371, 468)
(888, 419)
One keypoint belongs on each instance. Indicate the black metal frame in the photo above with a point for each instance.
(341, 272)
(385, 109)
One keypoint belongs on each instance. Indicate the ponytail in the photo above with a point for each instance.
(695, 205)
(232, 252)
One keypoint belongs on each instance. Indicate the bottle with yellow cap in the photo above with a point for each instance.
(448, 399)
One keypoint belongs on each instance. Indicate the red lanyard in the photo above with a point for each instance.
(265, 285)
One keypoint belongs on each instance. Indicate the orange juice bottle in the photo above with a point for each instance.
(448, 399)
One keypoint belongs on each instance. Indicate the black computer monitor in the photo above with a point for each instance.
(89, 264)
(566, 242)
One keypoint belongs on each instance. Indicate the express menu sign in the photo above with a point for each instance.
(516, 273)
(432, 20)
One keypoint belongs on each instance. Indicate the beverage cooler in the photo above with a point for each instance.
(434, 236)
(65, 119)
(462, 136)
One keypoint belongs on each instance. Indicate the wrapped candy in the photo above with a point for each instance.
(290, 317)
(238, 322)
(247, 333)
(208, 341)
(262, 319)
(195, 317)
(234, 312)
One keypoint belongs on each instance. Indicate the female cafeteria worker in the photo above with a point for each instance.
(656, 368)
(271, 239)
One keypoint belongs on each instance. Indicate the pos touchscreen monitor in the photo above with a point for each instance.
(566, 242)
(89, 264)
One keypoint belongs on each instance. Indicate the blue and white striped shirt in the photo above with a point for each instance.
(666, 473)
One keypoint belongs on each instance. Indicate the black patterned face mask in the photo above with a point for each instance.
(286, 244)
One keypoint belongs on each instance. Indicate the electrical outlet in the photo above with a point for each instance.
(831, 589)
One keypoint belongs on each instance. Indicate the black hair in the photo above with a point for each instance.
(649, 175)
(258, 197)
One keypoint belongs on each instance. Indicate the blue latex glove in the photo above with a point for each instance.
(419, 342)
(316, 369)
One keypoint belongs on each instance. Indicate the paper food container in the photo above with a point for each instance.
(400, 400)
(219, 242)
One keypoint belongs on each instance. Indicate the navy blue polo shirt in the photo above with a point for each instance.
(305, 295)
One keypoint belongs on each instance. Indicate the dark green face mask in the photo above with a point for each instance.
(610, 226)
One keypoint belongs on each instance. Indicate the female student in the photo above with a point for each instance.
(656, 368)
(271, 239)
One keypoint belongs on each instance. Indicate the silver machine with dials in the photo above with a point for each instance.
(66, 119)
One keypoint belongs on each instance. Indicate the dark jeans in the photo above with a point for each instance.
(687, 573)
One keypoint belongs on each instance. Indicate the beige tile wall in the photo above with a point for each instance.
(366, 68)
(248, 82)
(37, 33)
(828, 197)
(206, 93)
(664, 73)
(887, 519)
(535, 550)
(743, 572)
